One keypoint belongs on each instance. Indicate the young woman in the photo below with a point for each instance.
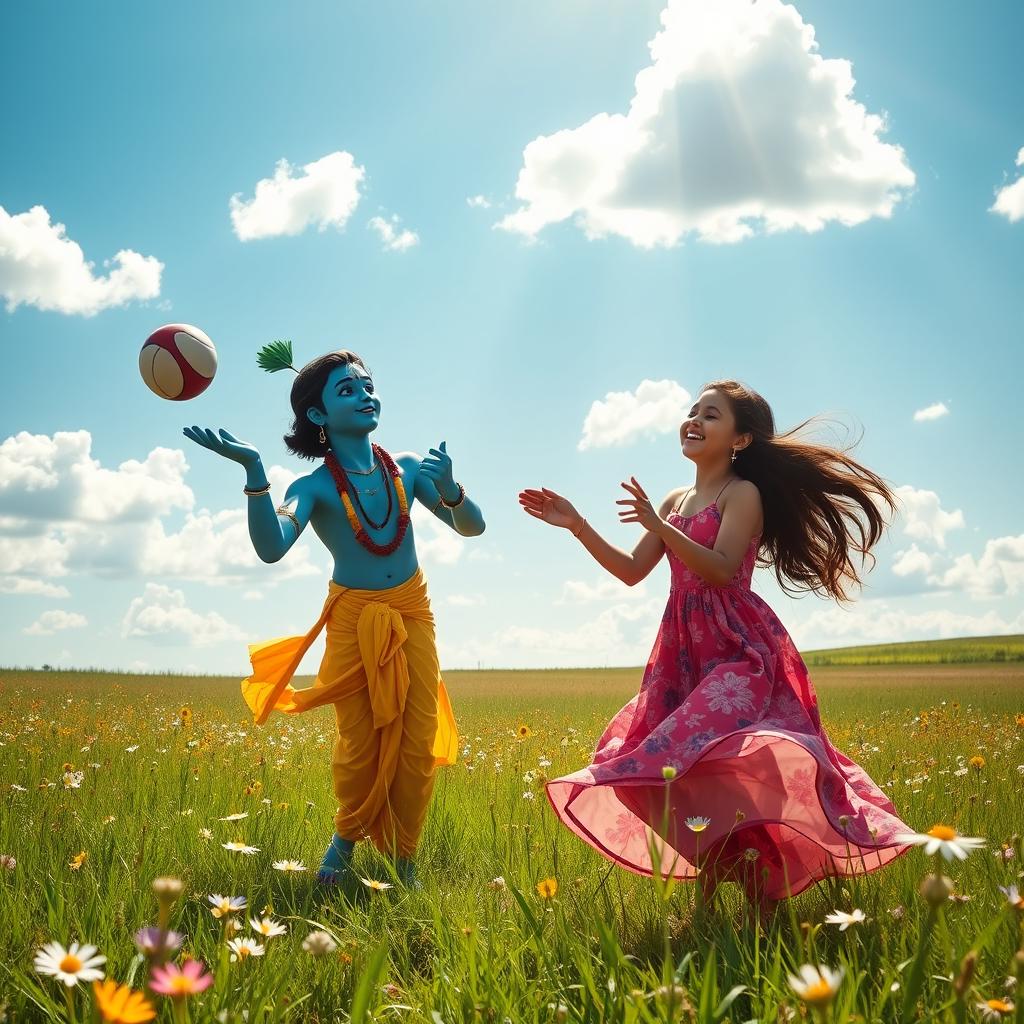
(380, 669)
(720, 766)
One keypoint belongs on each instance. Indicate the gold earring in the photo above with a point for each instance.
(323, 437)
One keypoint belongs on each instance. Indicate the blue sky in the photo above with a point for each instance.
(134, 125)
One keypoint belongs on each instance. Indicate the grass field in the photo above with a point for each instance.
(607, 946)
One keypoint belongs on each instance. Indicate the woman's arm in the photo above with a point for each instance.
(740, 517)
(631, 567)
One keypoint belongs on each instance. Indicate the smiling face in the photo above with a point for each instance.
(350, 403)
(708, 434)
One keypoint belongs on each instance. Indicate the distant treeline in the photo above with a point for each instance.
(963, 650)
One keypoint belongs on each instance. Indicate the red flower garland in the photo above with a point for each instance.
(346, 492)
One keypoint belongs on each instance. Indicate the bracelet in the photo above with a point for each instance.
(255, 492)
(456, 504)
(282, 510)
(440, 500)
(580, 530)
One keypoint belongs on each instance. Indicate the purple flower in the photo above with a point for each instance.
(147, 941)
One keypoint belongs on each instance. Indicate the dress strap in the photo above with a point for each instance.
(679, 503)
(722, 491)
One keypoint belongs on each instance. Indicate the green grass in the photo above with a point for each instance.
(609, 946)
(962, 650)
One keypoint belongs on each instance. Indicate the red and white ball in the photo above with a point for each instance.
(178, 362)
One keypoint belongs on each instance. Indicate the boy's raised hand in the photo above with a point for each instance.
(437, 466)
(223, 443)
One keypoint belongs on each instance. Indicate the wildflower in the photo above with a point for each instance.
(109, 818)
(267, 926)
(7, 862)
(151, 941)
(1013, 897)
(72, 965)
(994, 1009)
(167, 889)
(372, 883)
(238, 816)
(180, 982)
(547, 887)
(185, 714)
(132, 749)
(697, 824)
(977, 762)
(289, 865)
(844, 920)
(528, 795)
(17, 788)
(239, 847)
(942, 839)
(118, 1003)
(751, 853)
(1020, 720)
(897, 912)
(73, 780)
(498, 884)
(223, 906)
(241, 949)
(936, 889)
(668, 772)
(78, 860)
(522, 731)
(205, 833)
(319, 943)
(816, 986)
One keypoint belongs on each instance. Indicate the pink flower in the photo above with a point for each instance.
(178, 982)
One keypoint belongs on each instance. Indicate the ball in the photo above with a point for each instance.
(178, 362)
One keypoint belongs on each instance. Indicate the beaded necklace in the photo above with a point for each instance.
(347, 492)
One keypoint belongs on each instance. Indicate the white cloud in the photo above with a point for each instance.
(931, 412)
(999, 570)
(604, 589)
(912, 560)
(325, 193)
(465, 600)
(394, 240)
(480, 202)
(435, 542)
(1010, 198)
(161, 614)
(56, 478)
(656, 407)
(924, 518)
(737, 122)
(55, 620)
(40, 266)
(878, 621)
(37, 588)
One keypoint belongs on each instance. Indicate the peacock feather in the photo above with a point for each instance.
(277, 355)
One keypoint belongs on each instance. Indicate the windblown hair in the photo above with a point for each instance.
(822, 509)
(307, 391)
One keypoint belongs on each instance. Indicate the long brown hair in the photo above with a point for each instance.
(821, 507)
(307, 392)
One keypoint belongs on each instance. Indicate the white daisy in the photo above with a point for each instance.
(235, 817)
(239, 847)
(816, 985)
(941, 839)
(994, 1009)
(241, 949)
(267, 926)
(319, 943)
(224, 905)
(72, 965)
(844, 920)
(289, 865)
(372, 883)
(1013, 897)
(697, 824)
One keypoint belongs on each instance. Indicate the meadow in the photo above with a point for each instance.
(108, 782)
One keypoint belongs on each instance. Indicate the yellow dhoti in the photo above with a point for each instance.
(395, 722)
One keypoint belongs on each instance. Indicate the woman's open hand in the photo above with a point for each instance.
(224, 444)
(640, 508)
(546, 505)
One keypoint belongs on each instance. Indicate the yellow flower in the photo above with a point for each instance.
(522, 731)
(547, 887)
(977, 762)
(185, 714)
(1020, 721)
(120, 1004)
(67, 766)
(78, 860)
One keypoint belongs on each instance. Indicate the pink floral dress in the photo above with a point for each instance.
(726, 701)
